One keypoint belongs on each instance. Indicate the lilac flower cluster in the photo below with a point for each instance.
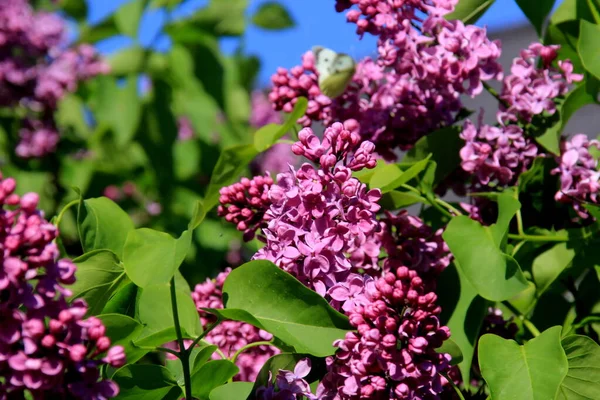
(36, 71)
(47, 348)
(392, 354)
(278, 156)
(579, 175)
(231, 336)
(414, 85)
(185, 130)
(321, 222)
(497, 155)
(245, 203)
(288, 385)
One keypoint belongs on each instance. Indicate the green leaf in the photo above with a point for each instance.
(102, 30)
(122, 330)
(232, 391)
(127, 17)
(581, 96)
(127, 61)
(450, 347)
(499, 277)
(443, 146)
(151, 257)
(463, 311)
(272, 16)
(123, 301)
(74, 8)
(99, 275)
(198, 356)
(390, 176)
(103, 225)
(583, 380)
(230, 165)
(588, 47)
(70, 114)
(469, 11)
(268, 135)
(536, 12)
(164, 3)
(285, 307)
(210, 375)
(220, 18)
(127, 120)
(146, 382)
(565, 34)
(395, 199)
(533, 371)
(572, 10)
(156, 313)
(548, 266)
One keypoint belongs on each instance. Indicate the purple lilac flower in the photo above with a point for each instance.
(37, 70)
(392, 354)
(288, 385)
(185, 130)
(245, 203)
(46, 346)
(579, 175)
(321, 223)
(230, 336)
(414, 85)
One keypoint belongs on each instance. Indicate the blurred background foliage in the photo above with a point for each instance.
(119, 132)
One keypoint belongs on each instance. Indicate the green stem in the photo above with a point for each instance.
(520, 223)
(456, 388)
(594, 11)
(440, 208)
(203, 334)
(410, 188)
(449, 206)
(184, 355)
(175, 353)
(532, 238)
(219, 352)
(528, 324)
(64, 210)
(248, 346)
(494, 93)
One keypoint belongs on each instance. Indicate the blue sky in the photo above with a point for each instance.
(317, 23)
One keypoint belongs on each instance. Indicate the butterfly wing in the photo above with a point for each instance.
(341, 74)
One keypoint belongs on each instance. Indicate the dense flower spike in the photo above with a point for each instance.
(414, 85)
(36, 71)
(530, 90)
(245, 203)
(410, 242)
(579, 175)
(321, 221)
(231, 336)
(288, 385)
(497, 155)
(392, 354)
(46, 345)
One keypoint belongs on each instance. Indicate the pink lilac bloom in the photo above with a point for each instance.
(495, 156)
(392, 353)
(245, 203)
(230, 336)
(579, 175)
(288, 385)
(37, 71)
(185, 130)
(47, 347)
(321, 223)
(413, 86)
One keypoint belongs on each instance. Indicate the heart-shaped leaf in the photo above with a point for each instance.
(583, 380)
(533, 371)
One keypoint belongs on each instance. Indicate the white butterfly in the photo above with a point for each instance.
(335, 71)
